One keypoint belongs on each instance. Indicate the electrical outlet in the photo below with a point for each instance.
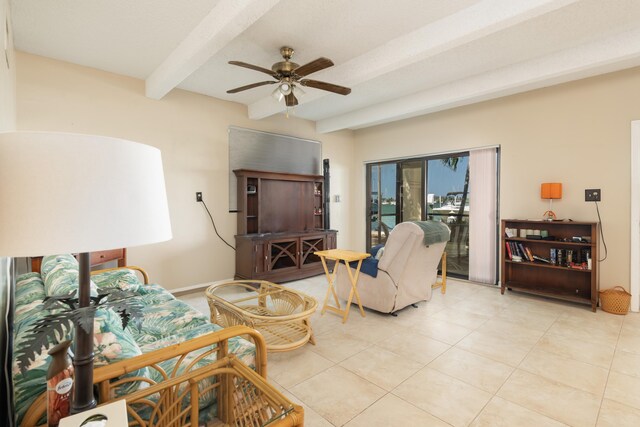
(592, 195)
(198, 196)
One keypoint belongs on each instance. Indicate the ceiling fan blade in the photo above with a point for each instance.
(291, 100)
(253, 67)
(251, 86)
(326, 86)
(313, 66)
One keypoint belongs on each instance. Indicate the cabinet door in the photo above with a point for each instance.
(309, 245)
(282, 254)
(259, 257)
(331, 240)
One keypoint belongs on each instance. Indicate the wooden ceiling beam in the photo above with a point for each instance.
(226, 21)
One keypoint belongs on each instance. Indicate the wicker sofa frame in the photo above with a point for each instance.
(244, 397)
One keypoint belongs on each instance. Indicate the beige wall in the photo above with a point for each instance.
(7, 74)
(576, 133)
(191, 131)
(7, 122)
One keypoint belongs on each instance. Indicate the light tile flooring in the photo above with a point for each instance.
(470, 357)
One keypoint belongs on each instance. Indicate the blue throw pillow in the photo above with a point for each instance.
(369, 266)
(374, 250)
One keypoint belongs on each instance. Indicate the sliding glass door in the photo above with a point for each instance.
(381, 203)
(448, 202)
(411, 190)
(434, 188)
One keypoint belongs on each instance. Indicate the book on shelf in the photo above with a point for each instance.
(523, 252)
(529, 254)
(515, 249)
(509, 250)
(539, 258)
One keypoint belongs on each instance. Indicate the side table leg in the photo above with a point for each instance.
(444, 272)
(330, 290)
(354, 291)
(333, 281)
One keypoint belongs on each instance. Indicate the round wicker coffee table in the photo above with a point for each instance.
(279, 313)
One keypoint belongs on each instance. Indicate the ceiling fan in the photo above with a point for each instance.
(289, 76)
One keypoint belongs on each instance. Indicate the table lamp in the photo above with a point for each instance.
(68, 193)
(550, 190)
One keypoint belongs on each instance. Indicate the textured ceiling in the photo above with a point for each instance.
(401, 58)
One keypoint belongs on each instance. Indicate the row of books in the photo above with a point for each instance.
(570, 257)
(516, 251)
(578, 259)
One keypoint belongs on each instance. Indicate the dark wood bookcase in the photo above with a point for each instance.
(280, 220)
(556, 281)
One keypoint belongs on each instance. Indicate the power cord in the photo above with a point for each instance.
(604, 243)
(214, 225)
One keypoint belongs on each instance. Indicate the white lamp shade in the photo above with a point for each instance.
(67, 193)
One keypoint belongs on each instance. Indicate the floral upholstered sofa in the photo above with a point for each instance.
(166, 321)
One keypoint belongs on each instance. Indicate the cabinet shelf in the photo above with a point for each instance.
(541, 291)
(548, 280)
(548, 242)
(545, 265)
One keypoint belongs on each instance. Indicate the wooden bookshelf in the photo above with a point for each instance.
(552, 280)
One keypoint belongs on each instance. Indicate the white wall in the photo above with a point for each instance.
(576, 133)
(191, 131)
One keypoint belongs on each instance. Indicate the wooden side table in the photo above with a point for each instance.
(345, 256)
(442, 284)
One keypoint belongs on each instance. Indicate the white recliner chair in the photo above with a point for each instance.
(406, 270)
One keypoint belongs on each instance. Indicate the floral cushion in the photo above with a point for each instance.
(123, 278)
(29, 297)
(165, 319)
(154, 294)
(60, 275)
(128, 280)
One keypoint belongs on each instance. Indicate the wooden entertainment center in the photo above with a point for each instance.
(280, 226)
(570, 281)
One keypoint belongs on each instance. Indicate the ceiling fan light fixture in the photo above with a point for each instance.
(297, 89)
(277, 94)
(285, 88)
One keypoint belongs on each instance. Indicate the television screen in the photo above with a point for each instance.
(263, 151)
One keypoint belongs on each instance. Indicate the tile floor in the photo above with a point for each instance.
(470, 357)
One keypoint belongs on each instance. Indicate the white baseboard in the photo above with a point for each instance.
(193, 288)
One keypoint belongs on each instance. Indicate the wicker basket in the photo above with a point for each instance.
(615, 300)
